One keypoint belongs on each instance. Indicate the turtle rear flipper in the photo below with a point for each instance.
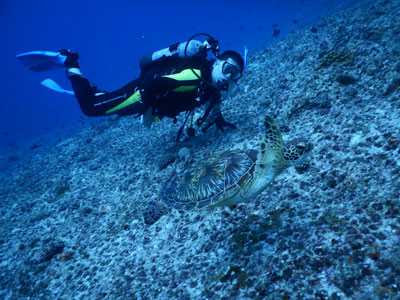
(154, 211)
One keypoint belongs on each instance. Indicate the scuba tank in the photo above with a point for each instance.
(183, 50)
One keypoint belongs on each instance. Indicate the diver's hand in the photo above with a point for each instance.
(221, 123)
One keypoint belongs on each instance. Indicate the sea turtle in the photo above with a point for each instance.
(229, 177)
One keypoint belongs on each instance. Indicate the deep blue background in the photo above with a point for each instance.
(111, 36)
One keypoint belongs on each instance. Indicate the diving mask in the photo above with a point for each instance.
(231, 70)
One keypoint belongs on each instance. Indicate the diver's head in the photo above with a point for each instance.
(227, 70)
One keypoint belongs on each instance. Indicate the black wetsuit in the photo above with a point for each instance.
(168, 86)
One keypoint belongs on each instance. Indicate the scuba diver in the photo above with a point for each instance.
(172, 80)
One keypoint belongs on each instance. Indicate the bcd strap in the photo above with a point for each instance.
(200, 121)
(178, 136)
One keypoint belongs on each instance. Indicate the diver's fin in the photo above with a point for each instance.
(147, 119)
(40, 61)
(51, 84)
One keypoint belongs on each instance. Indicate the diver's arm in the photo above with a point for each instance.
(213, 116)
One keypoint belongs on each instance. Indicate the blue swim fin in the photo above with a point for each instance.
(40, 61)
(51, 84)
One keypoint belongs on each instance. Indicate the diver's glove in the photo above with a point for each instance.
(221, 123)
(72, 58)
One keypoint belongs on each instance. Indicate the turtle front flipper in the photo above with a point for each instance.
(269, 159)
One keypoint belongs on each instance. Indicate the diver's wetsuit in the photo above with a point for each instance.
(168, 86)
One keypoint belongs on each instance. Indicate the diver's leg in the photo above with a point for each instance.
(124, 101)
(85, 95)
(99, 103)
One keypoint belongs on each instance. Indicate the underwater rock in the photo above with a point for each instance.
(65, 256)
(393, 86)
(345, 57)
(345, 79)
(235, 272)
(303, 167)
(47, 252)
(185, 155)
(324, 106)
(61, 189)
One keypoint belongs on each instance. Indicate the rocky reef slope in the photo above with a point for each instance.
(71, 223)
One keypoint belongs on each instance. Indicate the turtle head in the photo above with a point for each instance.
(296, 151)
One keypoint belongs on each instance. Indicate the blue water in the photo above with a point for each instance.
(111, 37)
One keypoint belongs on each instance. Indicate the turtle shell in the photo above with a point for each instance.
(209, 182)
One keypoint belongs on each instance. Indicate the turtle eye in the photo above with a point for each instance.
(304, 147)
(301, 145)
